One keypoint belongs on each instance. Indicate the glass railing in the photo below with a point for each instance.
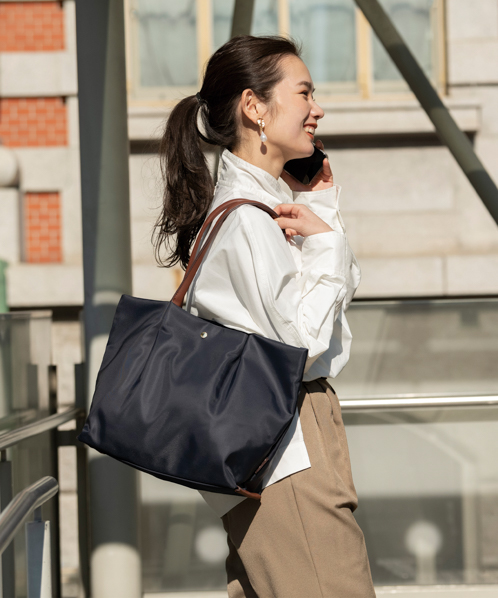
(431, 348)
(426, 478)
(29, 439)
(25, 354)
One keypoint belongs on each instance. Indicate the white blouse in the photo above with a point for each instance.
(295, 292)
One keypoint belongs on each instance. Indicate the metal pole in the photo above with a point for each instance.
(3, 287)
(242, 17)
(84, 539)
(447, 129)
(8, 559)
(104, 148)
(241, 25)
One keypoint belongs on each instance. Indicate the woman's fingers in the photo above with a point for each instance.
(300, 219)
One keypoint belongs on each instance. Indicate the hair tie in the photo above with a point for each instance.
(198, 97)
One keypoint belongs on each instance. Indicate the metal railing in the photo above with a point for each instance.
(38, 545)
(415, 401)
(22, 505)
(16, 510)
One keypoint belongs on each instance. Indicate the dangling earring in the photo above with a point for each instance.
(262, 135)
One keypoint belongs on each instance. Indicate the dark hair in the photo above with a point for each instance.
(245, 62)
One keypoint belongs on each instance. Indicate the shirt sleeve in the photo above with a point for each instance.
(301, 306)
(325, 204)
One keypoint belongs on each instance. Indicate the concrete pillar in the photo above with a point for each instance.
(115, 561)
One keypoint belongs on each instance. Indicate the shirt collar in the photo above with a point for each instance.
(236, 172)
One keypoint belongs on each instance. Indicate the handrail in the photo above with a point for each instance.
(29, 499)
(410, 402)
(48, 423)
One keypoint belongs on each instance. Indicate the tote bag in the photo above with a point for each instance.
(189, 400)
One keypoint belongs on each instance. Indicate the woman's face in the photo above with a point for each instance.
(293, 116)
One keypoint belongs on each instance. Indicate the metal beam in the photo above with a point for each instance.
(447, 129)
(104, 154)
(242, 17)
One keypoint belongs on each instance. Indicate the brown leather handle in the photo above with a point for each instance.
(198, 253)
(207, 225)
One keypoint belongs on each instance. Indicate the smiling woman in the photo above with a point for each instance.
(256, 102)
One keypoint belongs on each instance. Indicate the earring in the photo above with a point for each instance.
(262, 135)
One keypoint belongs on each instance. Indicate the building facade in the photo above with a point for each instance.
(415, 223)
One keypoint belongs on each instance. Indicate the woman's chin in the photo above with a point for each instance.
(302, 153)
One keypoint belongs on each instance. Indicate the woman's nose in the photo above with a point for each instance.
(316, 111)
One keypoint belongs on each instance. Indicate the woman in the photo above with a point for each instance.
(257, 102)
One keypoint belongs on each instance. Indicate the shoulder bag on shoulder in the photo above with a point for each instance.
(189, 400)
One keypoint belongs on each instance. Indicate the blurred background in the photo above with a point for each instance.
(420, 393)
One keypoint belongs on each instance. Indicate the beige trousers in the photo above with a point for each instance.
(302, 540)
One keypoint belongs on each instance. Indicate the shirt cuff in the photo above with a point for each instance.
(323, 254)
(325, 204)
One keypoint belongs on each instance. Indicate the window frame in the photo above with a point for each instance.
(366, 88)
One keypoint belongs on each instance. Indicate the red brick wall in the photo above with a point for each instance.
(31, 26)
(42, 227)
(33, 122)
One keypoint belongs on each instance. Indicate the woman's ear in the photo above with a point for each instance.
(251, 106)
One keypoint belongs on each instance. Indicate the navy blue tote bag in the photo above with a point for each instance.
(189, 400)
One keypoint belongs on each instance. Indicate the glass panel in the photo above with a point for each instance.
(413, 20)
(327, 31)
(25, 354)
(184, 545)
(422, 347)
(427, 484)
(265, 18)
(33, 459)
(222, 21)
(167, 42)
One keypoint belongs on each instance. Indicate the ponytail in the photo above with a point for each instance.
(189, 187)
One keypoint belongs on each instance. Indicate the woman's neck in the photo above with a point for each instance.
(262, 157)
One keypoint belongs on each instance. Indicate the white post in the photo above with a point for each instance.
(39, 566)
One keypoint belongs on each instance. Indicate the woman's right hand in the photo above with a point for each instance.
(297, 219)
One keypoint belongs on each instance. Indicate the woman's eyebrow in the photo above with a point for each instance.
(307, 84)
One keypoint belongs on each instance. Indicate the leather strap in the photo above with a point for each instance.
(207, 225)
(198, 253)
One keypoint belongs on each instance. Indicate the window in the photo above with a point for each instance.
(171, 40)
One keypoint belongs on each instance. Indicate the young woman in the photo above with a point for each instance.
(256, 102)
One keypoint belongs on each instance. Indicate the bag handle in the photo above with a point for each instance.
(198, 254)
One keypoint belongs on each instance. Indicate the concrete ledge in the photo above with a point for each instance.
(33, 285)
(472, 275)
(401, 277)
(367, 117)
(44, 284)
(37, 74)
(47, 168)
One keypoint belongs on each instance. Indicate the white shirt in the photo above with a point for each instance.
(296, 292)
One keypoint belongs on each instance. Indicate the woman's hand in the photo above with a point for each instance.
(297, 219)
(322, 180)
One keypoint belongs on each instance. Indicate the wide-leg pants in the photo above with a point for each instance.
(302, 540)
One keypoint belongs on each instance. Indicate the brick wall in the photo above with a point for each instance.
(31, 26)
(42, 227)
(33, 122)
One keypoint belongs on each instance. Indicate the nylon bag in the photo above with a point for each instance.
(189, 400)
